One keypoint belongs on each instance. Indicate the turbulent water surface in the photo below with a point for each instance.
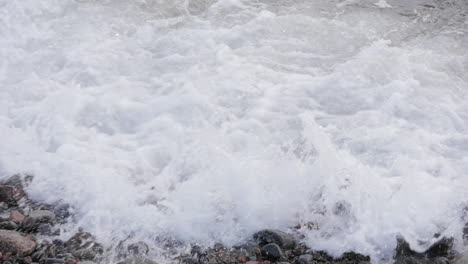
(206, 120)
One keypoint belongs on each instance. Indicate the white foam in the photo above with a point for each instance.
(206, 121)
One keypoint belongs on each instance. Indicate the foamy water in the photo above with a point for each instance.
(205, 120)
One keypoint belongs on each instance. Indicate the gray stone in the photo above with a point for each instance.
(62, 211)
(54, 261)
(305, 259)
(44, 251)
(282, 239)
(86, 262)
(65, 256)
(14, 180)
(79, 240)
(42, 216)
(190, 260)
(137, 261)
(461, 259)
(35, 218)
(86, 254)
(272, 252)
(44, 229)
(8, 225)
(3, 206)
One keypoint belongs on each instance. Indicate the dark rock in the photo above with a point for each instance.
(79, 240)
(58, 243)
(83, 246)
(305, 259)
(441, 248)
(410, 260)
(44, 251)
(219, 247)
(299, 250)
(352, 258)
(62, 211)
(12, 241)
(15, 180)
(44, 229)
(272, 252)
(65, 256)
(282, 239)
(461, 259)
(403, 249)
(19, 181)
(465, 233)
(10, 194)
(321, 257)
(196, 250)
(8, 225)
(137, 261)
(441, 260)
(86, 254)
(54, 261)
(190, 260)
(139, 248)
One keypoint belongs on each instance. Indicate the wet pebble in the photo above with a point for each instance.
(272, 252)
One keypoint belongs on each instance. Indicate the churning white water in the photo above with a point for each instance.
(207, 120)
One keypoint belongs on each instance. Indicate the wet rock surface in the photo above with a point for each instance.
(15, 242)
(440, 252)
(282, 239)
(272, 252)
(28, 229)
(29, 235)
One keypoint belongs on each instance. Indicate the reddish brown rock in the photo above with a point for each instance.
(242, 259)
(10, 194)
(6, 256)
(17, 217)
(28, 260)
(461, 259)
(12, 241)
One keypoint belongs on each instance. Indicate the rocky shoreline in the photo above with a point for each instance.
(29, 233)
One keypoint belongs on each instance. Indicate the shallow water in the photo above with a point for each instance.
(207, 120)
